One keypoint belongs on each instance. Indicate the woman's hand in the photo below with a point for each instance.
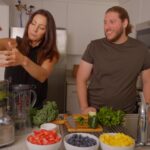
(11, 58)
(15, 58)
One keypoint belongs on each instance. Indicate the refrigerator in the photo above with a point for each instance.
(57, 86)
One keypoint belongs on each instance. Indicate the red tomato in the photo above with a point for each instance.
(43, 137)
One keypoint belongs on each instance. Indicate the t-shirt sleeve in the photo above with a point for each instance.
(88, 55)
(146, 64)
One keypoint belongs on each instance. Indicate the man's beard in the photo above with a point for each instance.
(116, 37)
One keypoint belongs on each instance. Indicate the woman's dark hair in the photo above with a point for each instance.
(123, 14)
(48, 47)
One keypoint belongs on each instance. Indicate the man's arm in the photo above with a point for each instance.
(146, 85)
(83, 75)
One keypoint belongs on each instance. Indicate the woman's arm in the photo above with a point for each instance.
(41, 73)
(14, 57)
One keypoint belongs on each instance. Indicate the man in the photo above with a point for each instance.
(113, 64)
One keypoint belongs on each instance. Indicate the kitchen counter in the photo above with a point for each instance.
(20, 144)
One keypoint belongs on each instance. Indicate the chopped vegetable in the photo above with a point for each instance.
(92, 120)
(48, 113)
(44, 137)
(109, 117)
(80, 120)
(117, 139)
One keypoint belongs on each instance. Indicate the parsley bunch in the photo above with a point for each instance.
(109, 117)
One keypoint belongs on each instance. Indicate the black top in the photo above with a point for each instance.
(18, 75)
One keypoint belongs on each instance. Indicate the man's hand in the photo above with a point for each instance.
(87, 110)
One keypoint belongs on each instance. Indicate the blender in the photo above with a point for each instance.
(7, 128)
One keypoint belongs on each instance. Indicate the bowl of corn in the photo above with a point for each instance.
(116, 141)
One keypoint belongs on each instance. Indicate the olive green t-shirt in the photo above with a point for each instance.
(115, 71)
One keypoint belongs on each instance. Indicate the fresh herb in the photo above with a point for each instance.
(109, 117)
(80, 120)
(48, 113)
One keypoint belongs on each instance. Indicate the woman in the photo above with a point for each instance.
(30, 60)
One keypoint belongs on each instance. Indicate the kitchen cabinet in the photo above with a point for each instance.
(4, 24)
(133, 7)
(4, 21)
(85, 23)
(72, 99)
(138, 11)
(144, 10)
(58, 10)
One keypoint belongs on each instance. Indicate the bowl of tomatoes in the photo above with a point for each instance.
(44, 140)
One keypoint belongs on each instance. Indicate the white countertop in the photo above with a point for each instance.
(19, 144)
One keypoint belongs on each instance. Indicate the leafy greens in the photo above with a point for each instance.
(109, 117)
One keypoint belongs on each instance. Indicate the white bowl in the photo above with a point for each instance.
(72, 147)
(49, 126)
(55, 146)
(105, 146)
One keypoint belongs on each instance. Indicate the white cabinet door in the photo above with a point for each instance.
(58, 10)
(4, 21)
(4, 33)
(85, 23)
(138, 10)
(144, 10)
(133, 8)
(72, 100)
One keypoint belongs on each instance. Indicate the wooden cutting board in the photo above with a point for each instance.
(60, 119)
(81, 128)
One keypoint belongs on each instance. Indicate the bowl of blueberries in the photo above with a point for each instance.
(81, 141)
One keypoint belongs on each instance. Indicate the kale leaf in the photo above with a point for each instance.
(48, 113)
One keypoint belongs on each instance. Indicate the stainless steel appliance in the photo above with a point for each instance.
(57, 86)
(142, 130)
(7, 129)
(21, 103)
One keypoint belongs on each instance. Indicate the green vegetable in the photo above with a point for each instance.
(109, 117)
(48, 113)
(80, 120)
(3, 95)
(32, 113)
(92, 120)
